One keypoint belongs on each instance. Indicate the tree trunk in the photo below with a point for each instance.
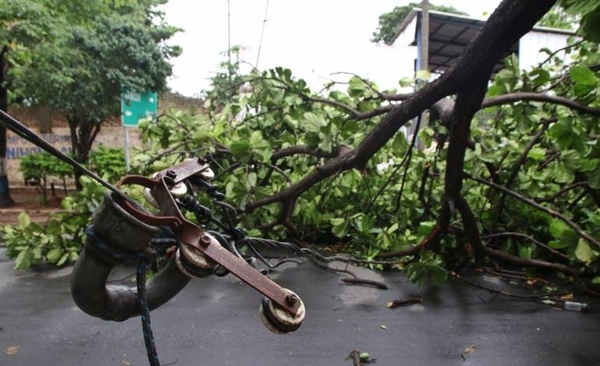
(5, 199)
(83, 133)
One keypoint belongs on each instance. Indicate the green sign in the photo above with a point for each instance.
(137, 106)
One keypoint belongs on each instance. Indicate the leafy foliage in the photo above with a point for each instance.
(40, 166)
(558, 18)
(61, 238)
(275, 137)
(226, 83)
(104, 48)
(589, 10)
(109, 161)
(546, 153)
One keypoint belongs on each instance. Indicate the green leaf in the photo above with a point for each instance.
(312, 122)
(583, 75)
(54, 255)
(252, 178)
(240, 148)
(584, 253)
(256, 138)
(594, 178)
(62, 260)
(53, 227)
(525, 251)
(356, 87)
(568, 239)
(24, 219)
(393, 228)
(540, 76)
(399, 144)
(337, 221)
(563, 175)
(558, 227)
(364, 356)
(424, 75)
(537, 153)
(591, 25)
(24, 259)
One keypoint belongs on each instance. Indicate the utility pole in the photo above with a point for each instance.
(424, 35)
(424, 57)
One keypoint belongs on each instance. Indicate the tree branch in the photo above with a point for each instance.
(530, 262)
(539, 97)
(511, 20)
(536, 205)
(354, 114)
(302, 149)
(515, 170)
(531, 239)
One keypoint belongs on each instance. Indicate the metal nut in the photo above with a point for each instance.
(291, 299)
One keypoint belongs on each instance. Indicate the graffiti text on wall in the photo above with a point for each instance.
(18, 147)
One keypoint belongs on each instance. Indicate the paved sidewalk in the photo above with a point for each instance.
(215, 321)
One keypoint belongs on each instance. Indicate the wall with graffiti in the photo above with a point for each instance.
(18, 147)
(52, 126)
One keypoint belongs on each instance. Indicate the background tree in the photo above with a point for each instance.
(559, 18)
(589, 11)
(389, 23)
(24, 27)
(225, 84)
(106, 48)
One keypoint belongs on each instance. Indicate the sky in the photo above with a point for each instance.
(319, 40)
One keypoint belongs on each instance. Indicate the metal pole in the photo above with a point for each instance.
(229, 71)
(424, 56)
(425, 35)
(126, 147)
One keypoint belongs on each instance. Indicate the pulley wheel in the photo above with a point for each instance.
(278, 320)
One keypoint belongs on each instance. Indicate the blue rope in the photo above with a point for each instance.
(116, 255)
(145, 310)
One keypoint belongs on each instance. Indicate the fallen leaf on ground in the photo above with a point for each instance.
(535, 281)
(567, 297)
(468, 351)
(383, 326)
(12, 350)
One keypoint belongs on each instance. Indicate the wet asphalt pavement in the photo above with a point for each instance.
(214, 321)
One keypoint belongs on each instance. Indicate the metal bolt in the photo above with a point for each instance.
(171, 174)
(202, 160)
(205, 239)
(291, 299)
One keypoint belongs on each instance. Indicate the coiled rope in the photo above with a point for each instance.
(144, 259)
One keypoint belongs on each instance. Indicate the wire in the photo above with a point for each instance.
(262, 33)
(20, 129)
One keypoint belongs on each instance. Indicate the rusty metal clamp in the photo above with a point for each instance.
(194, 238)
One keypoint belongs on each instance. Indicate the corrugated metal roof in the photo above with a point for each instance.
(449, 34)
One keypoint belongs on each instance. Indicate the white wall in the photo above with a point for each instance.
(531, 44)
